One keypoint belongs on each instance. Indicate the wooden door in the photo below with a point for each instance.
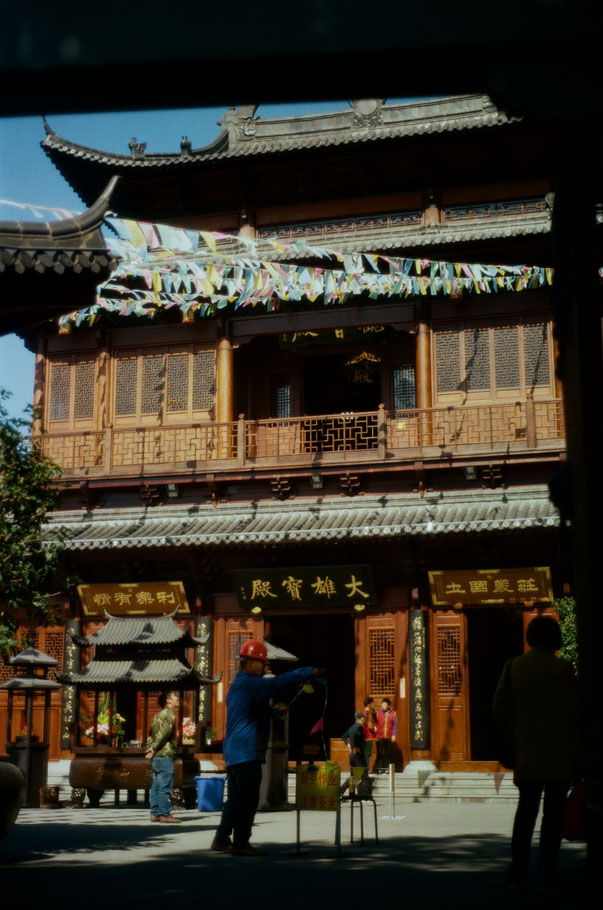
(230, 635)
(382, 669)
(450, 708)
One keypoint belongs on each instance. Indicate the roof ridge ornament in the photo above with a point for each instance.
(240, 122)
(368, 112)
(137, 148)
(47, 127)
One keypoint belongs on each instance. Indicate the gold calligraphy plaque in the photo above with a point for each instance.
(137, 599)
(491, 586)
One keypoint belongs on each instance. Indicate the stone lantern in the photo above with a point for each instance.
(27, 751)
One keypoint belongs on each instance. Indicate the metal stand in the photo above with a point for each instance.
(337, 843)
(357, 800)
(392, 795)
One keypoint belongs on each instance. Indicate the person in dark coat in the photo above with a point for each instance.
(247, 732)
(355, 741)
(536, 704)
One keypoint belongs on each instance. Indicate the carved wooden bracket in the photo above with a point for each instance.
(281, 488)
(350, 484)
(493, 476)
(151, 494)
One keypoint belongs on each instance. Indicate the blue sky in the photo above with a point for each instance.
(27, 175)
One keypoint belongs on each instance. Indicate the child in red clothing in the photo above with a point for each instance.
(387, 728)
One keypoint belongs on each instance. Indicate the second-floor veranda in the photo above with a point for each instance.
(510, 429)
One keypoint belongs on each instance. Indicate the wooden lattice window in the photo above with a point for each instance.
(381, 663)
(448, 361)
(6, 671)
(177, 379)
(126, 370)
(477, 360)
(71, 388)
(449, 661)
(178, 383)
(493, 359)
(203, 380)
(536, 354)
(50, 641)
(236, 640)
(506, 356)
(152, 384)
(280, 395)
(404, 387)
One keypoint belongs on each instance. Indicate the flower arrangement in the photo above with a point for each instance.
(188, 730)
(102, 721)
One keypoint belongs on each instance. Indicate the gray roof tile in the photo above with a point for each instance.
(236, 524)
(160, 670)
(136, 630)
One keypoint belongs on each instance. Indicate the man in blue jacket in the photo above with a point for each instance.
(247, 732)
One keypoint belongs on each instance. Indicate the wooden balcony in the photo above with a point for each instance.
(330, 439)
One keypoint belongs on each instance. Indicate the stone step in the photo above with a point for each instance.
(446, 786)
(462, 786)
(58, 773)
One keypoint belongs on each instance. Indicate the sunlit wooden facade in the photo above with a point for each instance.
(412, 434)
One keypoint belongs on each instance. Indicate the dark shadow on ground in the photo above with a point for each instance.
(74, 865)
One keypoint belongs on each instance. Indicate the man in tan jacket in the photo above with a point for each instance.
(536, 703)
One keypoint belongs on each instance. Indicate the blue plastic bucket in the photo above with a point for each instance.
(210, 792)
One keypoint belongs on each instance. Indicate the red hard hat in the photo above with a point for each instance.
(255, 650)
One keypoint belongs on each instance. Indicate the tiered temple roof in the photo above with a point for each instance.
(138, 650)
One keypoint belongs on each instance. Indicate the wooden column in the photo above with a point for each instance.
(225, 393)
(103, 363)
(423, 369)
(102, 403)
(39, 398)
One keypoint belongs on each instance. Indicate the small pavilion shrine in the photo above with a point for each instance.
(133, 659)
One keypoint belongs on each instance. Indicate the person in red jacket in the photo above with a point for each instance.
(387, 728)
(370, 728)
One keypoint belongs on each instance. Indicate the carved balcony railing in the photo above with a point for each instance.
(358, 437)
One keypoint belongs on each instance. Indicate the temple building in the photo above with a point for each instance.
(316, 403)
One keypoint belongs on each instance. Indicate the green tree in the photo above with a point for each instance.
(566, 607)
(28, 566)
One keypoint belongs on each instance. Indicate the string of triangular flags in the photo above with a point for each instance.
(203, 272)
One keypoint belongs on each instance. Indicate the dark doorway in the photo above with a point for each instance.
(494, 634)
(331, 387)
(320, 641)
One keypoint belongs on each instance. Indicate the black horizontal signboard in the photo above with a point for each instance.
(309, 586)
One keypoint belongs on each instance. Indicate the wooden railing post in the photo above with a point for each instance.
(530, 422)
(381, 431)
(241, 442)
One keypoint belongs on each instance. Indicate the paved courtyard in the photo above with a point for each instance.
(433, 854)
